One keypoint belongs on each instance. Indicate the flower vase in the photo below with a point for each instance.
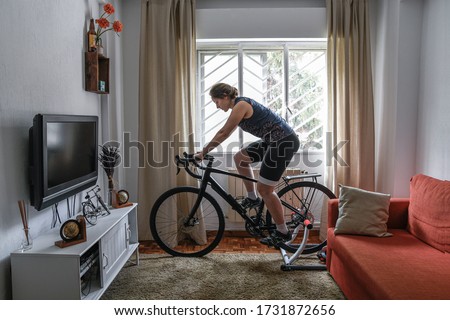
(27, 240)
(100, 50)
(110, 191)
(99, 45)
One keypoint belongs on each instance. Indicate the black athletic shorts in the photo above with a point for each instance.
(275, 157)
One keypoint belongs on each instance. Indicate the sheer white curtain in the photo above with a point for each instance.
(166, 97)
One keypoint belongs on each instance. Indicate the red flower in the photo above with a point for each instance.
(109, 8)
(102, 23)
(117, 26)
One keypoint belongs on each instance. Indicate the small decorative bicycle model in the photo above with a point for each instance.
(91, 212)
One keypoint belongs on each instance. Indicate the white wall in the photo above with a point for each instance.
(433, 135)
(220, 19)
(411, 84)
(41, 71)
(396, 47)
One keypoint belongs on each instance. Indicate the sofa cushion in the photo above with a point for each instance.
(362, 212)
(429, 211)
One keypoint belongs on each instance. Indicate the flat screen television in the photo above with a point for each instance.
(63, 153)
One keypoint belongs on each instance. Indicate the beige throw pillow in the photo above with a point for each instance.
(362, 212)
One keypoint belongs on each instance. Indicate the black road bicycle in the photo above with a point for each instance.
(188, 221)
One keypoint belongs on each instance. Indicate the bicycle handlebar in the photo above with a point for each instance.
(191, 159)
(94, 190)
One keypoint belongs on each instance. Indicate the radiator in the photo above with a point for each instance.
(236, 187)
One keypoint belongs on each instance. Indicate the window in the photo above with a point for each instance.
(289, 78)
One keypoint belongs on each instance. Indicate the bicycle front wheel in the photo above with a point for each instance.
(311, 199)
(89, 213)
(179, 235)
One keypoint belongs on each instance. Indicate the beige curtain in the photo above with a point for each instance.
(166, 98)
(350, 96)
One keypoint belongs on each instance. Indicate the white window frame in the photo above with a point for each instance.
(240, 46)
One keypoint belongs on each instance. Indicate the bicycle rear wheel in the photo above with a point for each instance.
(309, 198)
(175, 233)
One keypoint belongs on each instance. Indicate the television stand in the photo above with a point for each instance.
(81, 271)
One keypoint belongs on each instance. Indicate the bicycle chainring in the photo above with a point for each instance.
(255, 230)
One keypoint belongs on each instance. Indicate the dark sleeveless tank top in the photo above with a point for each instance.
(264, 123)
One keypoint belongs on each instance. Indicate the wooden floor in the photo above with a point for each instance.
(232, 242)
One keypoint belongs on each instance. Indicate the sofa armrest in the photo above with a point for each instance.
(333, 212)
(398, 213)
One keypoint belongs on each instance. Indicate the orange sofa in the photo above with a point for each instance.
(414, 263)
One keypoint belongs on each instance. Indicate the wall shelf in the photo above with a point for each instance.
(96, 70)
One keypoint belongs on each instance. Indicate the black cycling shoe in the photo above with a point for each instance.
(275, 238)
(248, 203)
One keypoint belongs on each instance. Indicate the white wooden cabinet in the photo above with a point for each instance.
(81, 271)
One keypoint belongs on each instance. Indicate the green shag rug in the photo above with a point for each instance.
(220, 276)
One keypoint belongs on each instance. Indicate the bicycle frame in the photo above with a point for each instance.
(207, 179)
(297, 198)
